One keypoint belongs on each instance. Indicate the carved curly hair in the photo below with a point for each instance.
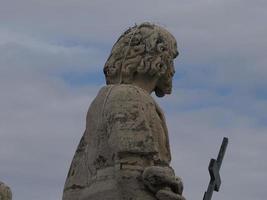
(146, 49)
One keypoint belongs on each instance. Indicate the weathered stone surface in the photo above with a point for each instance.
(5, 192)
(124, 153)
(158, 177)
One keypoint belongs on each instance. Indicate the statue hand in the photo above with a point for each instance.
(157, 178)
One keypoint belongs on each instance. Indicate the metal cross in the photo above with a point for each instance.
(214, 169)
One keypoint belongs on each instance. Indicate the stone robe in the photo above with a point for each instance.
(125, 133)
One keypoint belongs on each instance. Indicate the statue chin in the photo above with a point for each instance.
(159, 92)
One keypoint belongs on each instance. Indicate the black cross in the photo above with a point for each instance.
(214, 169)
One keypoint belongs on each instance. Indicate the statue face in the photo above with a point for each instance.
(164, 84)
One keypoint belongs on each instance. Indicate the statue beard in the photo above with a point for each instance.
(166, 89)
(159, 92)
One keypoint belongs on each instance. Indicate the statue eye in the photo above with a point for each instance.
(171, 62)
(173, 72)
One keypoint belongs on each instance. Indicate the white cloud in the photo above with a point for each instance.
(41, 122)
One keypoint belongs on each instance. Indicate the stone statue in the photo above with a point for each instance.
(124, 153)
(5, 192)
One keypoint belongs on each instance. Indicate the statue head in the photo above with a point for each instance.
(145, 49)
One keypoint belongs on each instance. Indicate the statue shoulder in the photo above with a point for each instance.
(128, 93)
(122, 98)
(118, 92)
(118, 97)
(128, 121)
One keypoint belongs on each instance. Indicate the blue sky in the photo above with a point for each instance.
(51, 59)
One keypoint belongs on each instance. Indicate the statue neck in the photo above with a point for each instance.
(145, 82)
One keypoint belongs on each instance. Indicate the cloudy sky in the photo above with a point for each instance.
(51, 57)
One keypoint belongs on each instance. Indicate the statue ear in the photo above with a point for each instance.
(161, 47)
